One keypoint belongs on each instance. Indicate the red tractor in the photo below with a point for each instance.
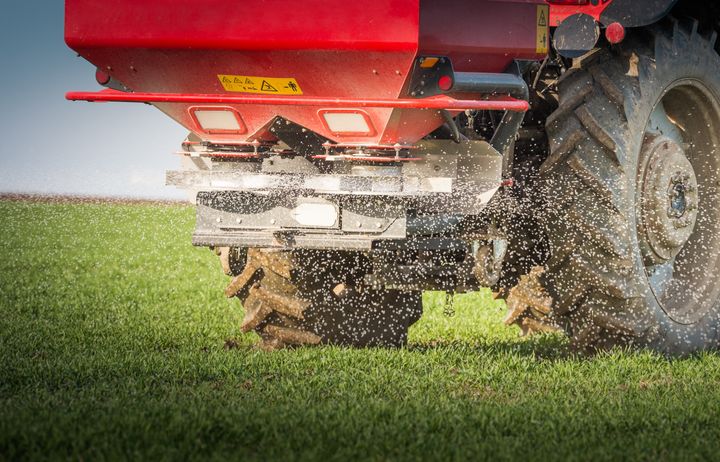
(345, 156)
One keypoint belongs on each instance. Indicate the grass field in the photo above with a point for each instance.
(112, 346)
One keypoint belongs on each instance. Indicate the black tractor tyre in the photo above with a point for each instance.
(632, 194)
(294, 298)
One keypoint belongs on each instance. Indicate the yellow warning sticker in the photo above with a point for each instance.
(542, 34)
(263, 85)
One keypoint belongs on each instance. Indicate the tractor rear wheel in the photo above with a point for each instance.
(632, 188)
(309, 298)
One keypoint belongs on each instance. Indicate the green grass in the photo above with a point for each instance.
(112, 334)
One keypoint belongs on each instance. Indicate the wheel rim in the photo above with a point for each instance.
(669, 200)
(678, 225)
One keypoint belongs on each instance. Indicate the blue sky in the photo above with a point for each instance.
(55, 146)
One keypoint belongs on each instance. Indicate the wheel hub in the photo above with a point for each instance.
(669, 200)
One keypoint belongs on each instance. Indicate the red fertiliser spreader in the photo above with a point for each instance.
(363, 139)
(378, 73)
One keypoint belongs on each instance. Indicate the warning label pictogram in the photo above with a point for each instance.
(267, 87)
(541, 36)
(542, 20)
(263, 85)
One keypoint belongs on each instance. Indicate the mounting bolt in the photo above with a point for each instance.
(358, 225)
(218, 219)
(378, 225)
(272, 222)
(238, 220)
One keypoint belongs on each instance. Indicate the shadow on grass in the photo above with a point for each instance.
(541, 346)
(549, 347)
(544, 346)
